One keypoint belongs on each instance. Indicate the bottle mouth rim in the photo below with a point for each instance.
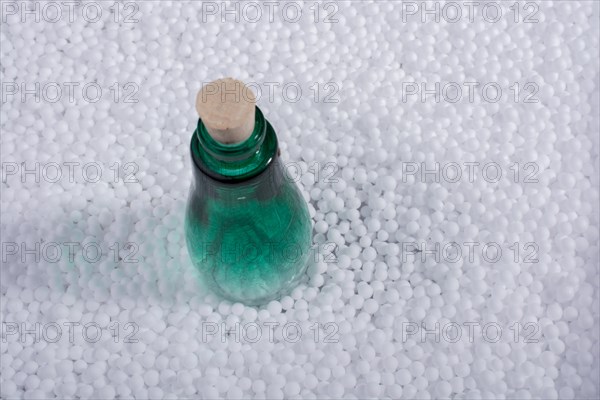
(234, 161)
(233, 151)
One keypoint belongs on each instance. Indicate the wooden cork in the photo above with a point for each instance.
(226, 108)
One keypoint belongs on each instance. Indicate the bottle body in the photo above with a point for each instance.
(249, 238)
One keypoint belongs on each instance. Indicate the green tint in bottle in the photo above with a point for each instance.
(248, 229)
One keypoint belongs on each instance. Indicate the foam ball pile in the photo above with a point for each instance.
(449, 156)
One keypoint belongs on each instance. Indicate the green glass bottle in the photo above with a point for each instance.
(248, 229)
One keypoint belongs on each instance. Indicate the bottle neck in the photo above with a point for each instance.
(238, 161)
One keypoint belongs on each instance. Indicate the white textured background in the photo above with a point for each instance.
(356, 110)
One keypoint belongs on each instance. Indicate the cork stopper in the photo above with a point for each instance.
(226, 108)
